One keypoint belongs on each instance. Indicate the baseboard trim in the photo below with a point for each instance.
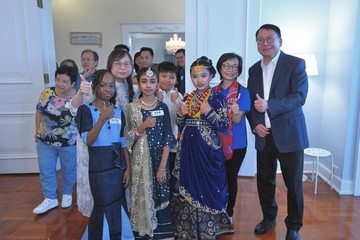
(342, 187)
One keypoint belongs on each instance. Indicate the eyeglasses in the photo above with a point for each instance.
(63, 81)
(87, 59)
(230, 67)
(261, 41)
(119, 64)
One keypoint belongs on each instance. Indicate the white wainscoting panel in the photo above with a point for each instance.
(21, 82)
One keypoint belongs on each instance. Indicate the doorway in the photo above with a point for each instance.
(137, 35)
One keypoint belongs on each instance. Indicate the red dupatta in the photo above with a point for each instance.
(227, 137)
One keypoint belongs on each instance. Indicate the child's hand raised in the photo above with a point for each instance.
(183, 109)
(149, 122)
(107, 111)
(174, 96)
(205, 107)
(160, 95)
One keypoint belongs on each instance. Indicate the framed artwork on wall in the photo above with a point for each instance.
(93, 38)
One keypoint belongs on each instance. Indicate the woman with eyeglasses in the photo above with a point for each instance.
(121, 66)
(234, 140)
(56, 138)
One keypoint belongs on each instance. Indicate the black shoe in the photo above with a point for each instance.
(292, 235)
(263, 226)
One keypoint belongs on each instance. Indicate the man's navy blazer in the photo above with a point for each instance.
(288, 93)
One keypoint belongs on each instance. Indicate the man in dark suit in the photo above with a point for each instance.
(278, 87)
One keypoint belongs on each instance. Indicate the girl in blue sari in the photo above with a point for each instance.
(200, 186)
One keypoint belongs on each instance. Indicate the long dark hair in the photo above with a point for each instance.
(118, 54)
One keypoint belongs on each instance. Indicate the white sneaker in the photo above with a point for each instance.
(46, 205)
(66, 200)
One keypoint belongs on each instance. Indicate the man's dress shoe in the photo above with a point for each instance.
(292, 235)
(263, 226)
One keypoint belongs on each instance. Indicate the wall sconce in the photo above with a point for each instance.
(311, 64)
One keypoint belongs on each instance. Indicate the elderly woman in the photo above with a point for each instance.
(56, 138)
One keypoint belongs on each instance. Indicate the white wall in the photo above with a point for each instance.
(304, 27)
(337, 91)
(105, 17)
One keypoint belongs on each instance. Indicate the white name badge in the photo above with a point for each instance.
(115, 121)
(157, 113)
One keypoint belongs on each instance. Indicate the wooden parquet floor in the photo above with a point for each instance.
(327, 215)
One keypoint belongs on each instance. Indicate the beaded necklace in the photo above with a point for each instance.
(148, 105)
(194, 111)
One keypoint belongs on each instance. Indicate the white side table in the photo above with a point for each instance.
(318, 153)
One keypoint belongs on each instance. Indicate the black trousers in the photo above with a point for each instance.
(292, 165)
(232, 169)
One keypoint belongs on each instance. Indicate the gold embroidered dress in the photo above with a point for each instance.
(150, 212)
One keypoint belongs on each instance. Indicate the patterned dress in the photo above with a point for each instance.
(122, 95)
(150, 211)
(200, 187)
